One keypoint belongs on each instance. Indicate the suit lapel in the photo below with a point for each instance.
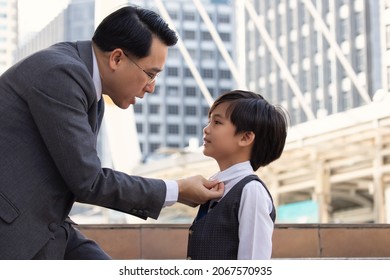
(84, 49)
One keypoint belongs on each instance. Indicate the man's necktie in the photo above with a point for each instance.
(203, 209)
(99, 108)
(213, 204)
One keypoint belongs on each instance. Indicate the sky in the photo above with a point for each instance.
(35, 14)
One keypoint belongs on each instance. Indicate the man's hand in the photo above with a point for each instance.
(197, 190)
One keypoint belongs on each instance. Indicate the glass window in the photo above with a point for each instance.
(172, 71)
(189, 34)
(187, 73)
(156, 90)
(190, 129)
(140, 127)
(223, 19)
(190, 111)
(173, 14)
(154, 109)
(212, 91)
(154, 128)
(173, 91)
(207, 54)
(225, 74)
(173, 53)
(205, 111)
(190, 91)
(207, 73)
(138, 108)
(225, 37)
(206, 36)
(190, 16)
(173, 129)
(173, 109)
(192, 53)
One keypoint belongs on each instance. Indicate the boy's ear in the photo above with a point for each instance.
(247, 138)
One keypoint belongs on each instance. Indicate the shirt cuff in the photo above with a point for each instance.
(172, 192)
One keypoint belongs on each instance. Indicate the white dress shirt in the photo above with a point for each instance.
(172, 193)
(255, 224)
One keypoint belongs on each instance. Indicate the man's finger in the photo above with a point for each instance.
(211, 184)
(217, 191)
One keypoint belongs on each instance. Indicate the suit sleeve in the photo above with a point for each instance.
(64, 109)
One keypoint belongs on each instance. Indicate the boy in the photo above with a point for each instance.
(244, 132)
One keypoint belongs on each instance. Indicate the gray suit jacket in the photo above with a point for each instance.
(48, 157)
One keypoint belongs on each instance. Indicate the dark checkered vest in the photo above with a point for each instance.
(215, 235)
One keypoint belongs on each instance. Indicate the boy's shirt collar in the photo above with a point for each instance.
(233, 175)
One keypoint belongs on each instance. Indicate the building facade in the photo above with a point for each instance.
(315, 58)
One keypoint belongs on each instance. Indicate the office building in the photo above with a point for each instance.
(315, 58)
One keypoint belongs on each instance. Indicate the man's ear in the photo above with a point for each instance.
(115, 58)
(247, 138)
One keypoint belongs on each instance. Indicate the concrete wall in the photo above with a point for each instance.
(165, 241)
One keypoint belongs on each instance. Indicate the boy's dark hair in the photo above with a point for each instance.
(249, 111)
(131, 28)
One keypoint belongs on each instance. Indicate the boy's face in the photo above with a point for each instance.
(219, 139)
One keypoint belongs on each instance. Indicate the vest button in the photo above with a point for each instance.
(52, 227)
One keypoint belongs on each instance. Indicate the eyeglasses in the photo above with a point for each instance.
(152, 77)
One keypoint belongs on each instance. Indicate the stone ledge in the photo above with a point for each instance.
(290, 241)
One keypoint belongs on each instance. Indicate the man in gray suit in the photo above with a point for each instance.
(51, 110)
